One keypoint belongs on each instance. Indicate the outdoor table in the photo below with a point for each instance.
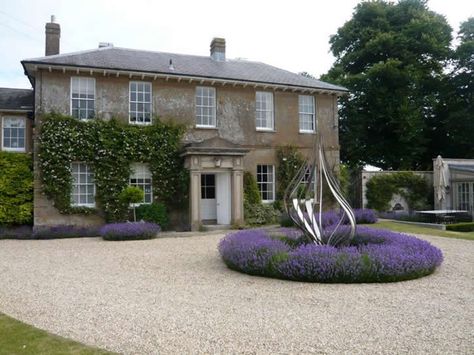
(443, 216)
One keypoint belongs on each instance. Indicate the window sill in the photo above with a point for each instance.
(269, 130)
(84, 205)
(140, 123)
(268, 201)
(307, 132)
(14, 150)
(205, 127)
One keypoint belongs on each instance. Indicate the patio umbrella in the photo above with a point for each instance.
(443, 179)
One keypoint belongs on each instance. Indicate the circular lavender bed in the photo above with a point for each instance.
(374, 256)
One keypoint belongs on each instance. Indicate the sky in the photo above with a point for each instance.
(293, 35)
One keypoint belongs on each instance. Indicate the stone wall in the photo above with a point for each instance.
(173, 100)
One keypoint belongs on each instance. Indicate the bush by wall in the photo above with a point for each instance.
(129, 231)
(414, 188)
(16, 188)
(110, 147)
(155, 212)
(255, 212)
(461, 227)
(290, 161)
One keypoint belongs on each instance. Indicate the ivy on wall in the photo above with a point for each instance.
(413, 188)
(16, 188)
(290, 161)
(110, 147)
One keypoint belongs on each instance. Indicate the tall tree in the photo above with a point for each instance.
(455, 134)
(391, 57)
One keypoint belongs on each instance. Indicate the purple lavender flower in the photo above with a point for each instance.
(374, 256)
(129, 231)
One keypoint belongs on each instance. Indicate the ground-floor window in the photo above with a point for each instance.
(141, 177)
(464, 196)
(83, 185)
(266, 182)
(308, 179)
(13, 132)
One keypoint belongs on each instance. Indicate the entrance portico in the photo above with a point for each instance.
(216, 182)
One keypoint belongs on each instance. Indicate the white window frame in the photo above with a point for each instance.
(305, 180)
(141, 171)
(259, 96)
(213, 107)
(79, 184)
(10, 149)
(82, 99)
(304, 113)
(140, 102)
(261, 183)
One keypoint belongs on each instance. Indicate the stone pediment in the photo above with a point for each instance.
(214, 146)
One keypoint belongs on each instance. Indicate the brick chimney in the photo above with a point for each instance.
(53, 33)
(218, 49)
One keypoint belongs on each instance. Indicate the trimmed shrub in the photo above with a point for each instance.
(129, 231)
(16, 188)
(251, 192)
(155, 212)
(65, 231)
(461, 227)
(373, 256)
(260, 214)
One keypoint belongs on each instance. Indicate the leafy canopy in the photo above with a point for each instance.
(391, 57)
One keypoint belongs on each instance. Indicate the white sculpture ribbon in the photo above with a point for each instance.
(305, 206)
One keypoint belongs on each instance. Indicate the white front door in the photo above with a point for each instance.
(223, 198)
(208, 197)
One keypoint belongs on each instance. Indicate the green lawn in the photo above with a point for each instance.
(407, 228)
(20, 338)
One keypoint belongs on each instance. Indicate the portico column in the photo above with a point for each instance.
(237, 196)
(194, 199)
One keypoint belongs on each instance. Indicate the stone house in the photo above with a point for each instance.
(16, 120)
(237, 113)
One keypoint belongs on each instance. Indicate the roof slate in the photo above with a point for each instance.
(184, 65)
(16, 99)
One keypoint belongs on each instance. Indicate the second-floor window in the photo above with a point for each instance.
(264, 110)
(141, 178)
(83, 185)
(205, 106)
(140, 102)
(83, 98)
(13, 134)
(306, 113)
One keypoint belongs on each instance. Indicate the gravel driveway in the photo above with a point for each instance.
(174, 295)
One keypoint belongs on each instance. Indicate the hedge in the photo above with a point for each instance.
(412, 187)
(16, 188)
(461, 227)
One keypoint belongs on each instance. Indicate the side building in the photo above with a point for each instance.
(237, 114)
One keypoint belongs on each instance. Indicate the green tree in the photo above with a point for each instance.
(453, 134)
(391, 57)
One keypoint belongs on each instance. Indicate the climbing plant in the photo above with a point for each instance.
(413, 188)
(109, 147)
(289, 162)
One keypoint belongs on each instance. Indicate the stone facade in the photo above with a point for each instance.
(175, 100)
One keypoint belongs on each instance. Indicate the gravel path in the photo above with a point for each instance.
(174, 295)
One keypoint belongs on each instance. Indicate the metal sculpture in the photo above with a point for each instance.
(305, 206)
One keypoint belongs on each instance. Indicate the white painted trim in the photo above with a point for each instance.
(273, 182)
(306, 113)
(72, 192)
(272, 128)
(130, 102)
(214, 107)
(8, 149)
(70, 96)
